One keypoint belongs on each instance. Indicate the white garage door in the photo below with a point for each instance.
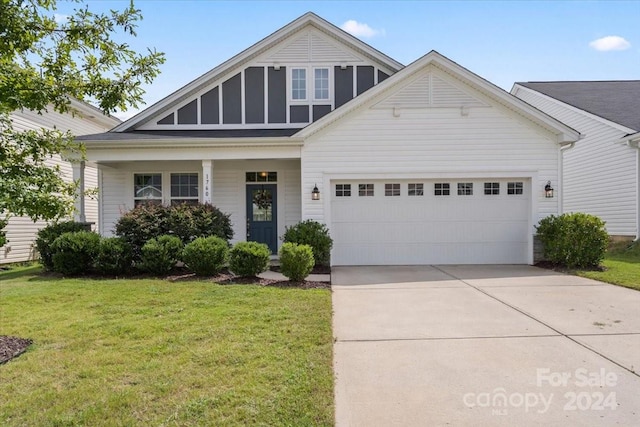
(463, 221)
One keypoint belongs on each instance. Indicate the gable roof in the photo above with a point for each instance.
(617, 101)
(563, 132)
(245, 56)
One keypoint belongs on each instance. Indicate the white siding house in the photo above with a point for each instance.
(422, 164)
(601, 171)
(21, 231)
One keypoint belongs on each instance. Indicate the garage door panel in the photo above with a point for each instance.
(430, 229)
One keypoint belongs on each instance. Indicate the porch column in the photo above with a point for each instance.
(78, 176)
(207, 181)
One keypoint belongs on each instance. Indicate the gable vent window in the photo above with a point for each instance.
(321, 83)
(147, 188)
(343, 190)
(491, 188)
(465, 189)
(416, 190)
(299, 84)
(392, 189)
(441, 189)
(514, 188)
(365, 190)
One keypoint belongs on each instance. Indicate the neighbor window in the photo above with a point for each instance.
(514, 188)
(343, 190)
(321, 83)
(365, 189)
(491, 188)
(299, 84)
(147, 188)
(416, 189)
(441, 189)
(465, 188)
(392, 189)
(184, 188)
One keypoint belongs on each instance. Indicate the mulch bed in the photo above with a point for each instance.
(227, 278)
(563, 269)
(11, 347)
(318, 269)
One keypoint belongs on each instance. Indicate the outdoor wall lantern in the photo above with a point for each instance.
(315, 193)
(548, 190)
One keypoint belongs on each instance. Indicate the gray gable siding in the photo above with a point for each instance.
(365, 78)
(188, 115)
(254, 95)
(277, 95)
(210, 103)
(231, 100)
(343, 85)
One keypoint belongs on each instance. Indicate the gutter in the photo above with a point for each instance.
(563, 147)
(633, 141)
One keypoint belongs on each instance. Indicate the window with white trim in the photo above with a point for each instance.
(147, 188)
(299, 84)
(321, 83)
(392, 189)
(343, 190)
(465, 188)
(184, 188)
(365, 190)
(515, 188)
(491, 188)
(416, 190)
(441, 189)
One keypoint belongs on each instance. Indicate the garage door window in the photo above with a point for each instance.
(392, 189)
(441, 189)
(416, 189)
(343, 190)
(491, 188)
(365, 190)
(465, 189)
(514, 188)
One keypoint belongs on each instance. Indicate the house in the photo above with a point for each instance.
(424, 164)
(22, 231)
(601, 172)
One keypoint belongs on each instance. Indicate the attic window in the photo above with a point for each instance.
(299, 84)
(321, 83)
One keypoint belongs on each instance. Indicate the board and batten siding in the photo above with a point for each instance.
(22, 231)
(599, 173)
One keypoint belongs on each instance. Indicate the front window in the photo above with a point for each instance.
(321, 83)
(184, 188)
(299, 84)
(147, 188)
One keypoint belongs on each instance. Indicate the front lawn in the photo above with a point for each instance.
(622, 267)
(154, 352)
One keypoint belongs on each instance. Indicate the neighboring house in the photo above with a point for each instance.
(602, 171)
(424, 164)
(22, 231)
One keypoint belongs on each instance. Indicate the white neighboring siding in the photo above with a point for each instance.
(599, 173)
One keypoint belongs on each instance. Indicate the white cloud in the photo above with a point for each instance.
(60, 18)
(360, 29)
(608, 43)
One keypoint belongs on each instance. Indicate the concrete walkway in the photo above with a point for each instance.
(483, 346)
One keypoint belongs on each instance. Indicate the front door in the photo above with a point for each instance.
(262, 221)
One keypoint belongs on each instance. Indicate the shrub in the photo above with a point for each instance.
(249, 258)
(314, 234)
(73, 253)
(573, 240)
(296, 261)
(160, 255)
(113, 257)
(206, 256)
(188, 222)
(48, 234)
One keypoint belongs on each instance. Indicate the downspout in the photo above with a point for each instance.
(563, 148)
(635, 143)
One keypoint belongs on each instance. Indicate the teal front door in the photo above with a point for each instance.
(262, 220)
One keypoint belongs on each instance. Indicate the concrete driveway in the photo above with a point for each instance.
(483, 345)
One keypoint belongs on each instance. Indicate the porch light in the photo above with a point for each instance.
(315, 193)
(548, 190)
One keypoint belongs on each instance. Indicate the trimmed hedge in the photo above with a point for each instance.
(574, 240)
(314, 234)
(249, 258)
(73, 253)
(49, 234)
(206, 256)
(159, 256)
(296, 261)
(114, 256)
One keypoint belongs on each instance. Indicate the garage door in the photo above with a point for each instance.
(465, 221)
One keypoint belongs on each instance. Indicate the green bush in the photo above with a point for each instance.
(296, 261)
(206, 256)
(73, 253)
(187, 222)
(314, 234)
(114, 256)
(159, 256)
(573, 240)
(3, 234)
(249, 258)
(48, 234)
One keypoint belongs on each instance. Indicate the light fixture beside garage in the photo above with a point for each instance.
(315, 193)
(548, 190)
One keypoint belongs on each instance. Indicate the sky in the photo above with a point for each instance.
(502, 41)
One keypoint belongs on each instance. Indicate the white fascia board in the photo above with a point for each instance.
(632, 140)
(194, 142)
(253, 51)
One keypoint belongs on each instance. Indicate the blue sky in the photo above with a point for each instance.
(502, 41)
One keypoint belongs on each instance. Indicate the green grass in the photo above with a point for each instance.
(622, 267)
(153, 352)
